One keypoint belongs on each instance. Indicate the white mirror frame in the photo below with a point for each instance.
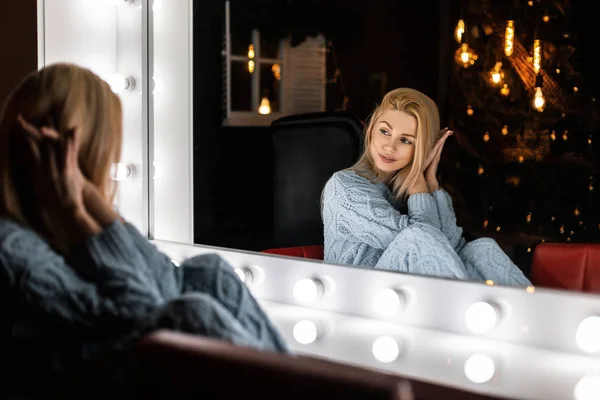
(540, 346)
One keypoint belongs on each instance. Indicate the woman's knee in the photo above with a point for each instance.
(197, 313)
(422, 249)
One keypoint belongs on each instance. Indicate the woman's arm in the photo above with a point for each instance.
(104, 285)
(448, 219)
(355, 206)
(168, 277)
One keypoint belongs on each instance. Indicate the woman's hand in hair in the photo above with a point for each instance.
(58, 181)
(433, 160)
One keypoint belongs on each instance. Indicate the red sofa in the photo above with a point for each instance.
(171, 365)
(567, 266)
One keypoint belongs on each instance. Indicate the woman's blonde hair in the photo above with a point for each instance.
(67, 97)
(425, 111)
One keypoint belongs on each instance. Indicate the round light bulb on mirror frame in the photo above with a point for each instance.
(483, 316)
(479, 368)
(245, 274)
(385, 349)
(587, 388)
(307, 290)
(251, 275)
(121, 171)
(308, 331)
(587, 336)
(120, 83)
(389, 301)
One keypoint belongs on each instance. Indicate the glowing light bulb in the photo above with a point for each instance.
(505, 130)
(587, 336)
(509, 38)
(587, 388)
(496, 74)
(464, 54)
(387, 302)
(486, 137)
(119, 83)
(505, 91)
(245, 274)
(308, 290)
(460, 30)
(265, 106)
(276, 70)
(538, 100)
(385, 349)
(306, 332)
(175, 263)
(251, 66)
(481, 317)
(479, 368)
(121, 171)
(537, 55)
(251, 51)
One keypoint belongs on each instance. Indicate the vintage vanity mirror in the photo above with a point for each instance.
(511, 342)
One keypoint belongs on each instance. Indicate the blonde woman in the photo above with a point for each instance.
(363, 206)
(75, 279)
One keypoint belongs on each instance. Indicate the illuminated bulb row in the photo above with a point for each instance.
(480, 317)
(478, 368)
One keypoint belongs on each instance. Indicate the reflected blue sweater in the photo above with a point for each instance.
(363, 228)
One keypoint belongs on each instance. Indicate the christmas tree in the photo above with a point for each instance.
(525, 123)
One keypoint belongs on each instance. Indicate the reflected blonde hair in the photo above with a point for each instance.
(425, 111)
(67, 97)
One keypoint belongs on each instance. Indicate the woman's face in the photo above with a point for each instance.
(393, 142)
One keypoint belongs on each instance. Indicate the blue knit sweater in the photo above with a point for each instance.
(59, 315)
(363, 228)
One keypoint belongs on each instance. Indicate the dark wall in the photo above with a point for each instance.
(18, 43)
(398, 40)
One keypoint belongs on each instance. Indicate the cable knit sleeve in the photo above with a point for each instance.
(168, 277)
(448, 219)
(106, 280)
(355, 207)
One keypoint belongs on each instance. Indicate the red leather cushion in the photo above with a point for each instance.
(567, 266)
(312, 252)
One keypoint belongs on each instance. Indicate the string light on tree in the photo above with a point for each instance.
(496, 73)
(460, 30)
(537, 55)
(538, 100)
(465, 56)
(509, 38)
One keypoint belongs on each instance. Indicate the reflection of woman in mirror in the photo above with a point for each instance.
(362, 222)
(76, 280)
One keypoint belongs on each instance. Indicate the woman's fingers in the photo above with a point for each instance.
(29, 128)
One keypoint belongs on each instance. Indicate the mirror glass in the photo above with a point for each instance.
(282, 89)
